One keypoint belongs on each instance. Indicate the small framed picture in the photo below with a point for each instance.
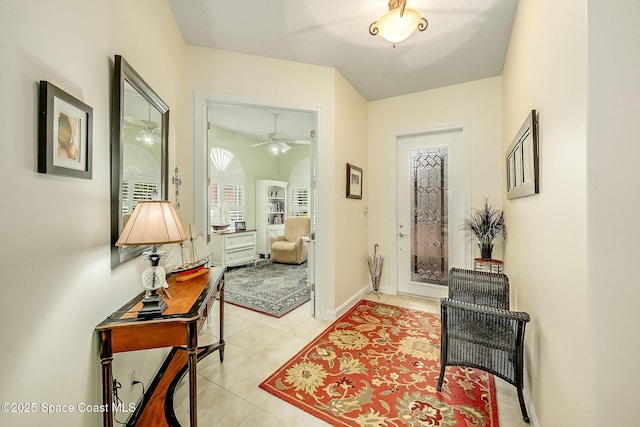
(240, 226)
(65, 133)
(354, 182)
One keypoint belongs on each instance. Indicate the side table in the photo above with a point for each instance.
(187, 310)
(490, 265)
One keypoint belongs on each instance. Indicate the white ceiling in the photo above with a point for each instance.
(466, 40)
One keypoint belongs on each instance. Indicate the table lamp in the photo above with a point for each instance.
(153, 222)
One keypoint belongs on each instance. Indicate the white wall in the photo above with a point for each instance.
(478, 103)
(613, 203)
(57, 280)
(546, 256)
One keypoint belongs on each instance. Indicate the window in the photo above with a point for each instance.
(135, 191)
(299, 202)
(231, 197)
(226, 188)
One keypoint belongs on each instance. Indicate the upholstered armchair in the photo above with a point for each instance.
(479, 331)
(291, 248)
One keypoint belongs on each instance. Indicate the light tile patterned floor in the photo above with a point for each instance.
(256, 345)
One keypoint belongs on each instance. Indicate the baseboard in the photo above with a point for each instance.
(348, 304)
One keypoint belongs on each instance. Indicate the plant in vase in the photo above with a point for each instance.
(487, 226)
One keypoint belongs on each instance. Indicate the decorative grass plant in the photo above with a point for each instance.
(487, 226)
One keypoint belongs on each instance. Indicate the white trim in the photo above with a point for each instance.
(348, 304)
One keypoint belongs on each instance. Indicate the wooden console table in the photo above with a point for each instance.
(187, 309)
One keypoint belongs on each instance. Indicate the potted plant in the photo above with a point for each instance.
(486, 225)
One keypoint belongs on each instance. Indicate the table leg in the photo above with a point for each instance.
(221, 351)
(106, 359)
(192, 349)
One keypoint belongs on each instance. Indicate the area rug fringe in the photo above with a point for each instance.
(378, 365)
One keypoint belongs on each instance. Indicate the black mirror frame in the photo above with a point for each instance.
(123, 72)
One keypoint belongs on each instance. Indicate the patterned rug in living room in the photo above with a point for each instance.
(269, 288)
(378, 365)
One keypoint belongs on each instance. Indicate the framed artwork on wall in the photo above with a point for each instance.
(65, 133)
(354, 182)
(522, 160)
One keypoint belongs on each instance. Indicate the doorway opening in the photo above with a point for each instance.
(270, 143)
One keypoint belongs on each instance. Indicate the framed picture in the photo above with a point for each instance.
(65, 133)
(354, 182)
(241, 226)
(522, 160)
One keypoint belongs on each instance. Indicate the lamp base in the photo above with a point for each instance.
(152, 306)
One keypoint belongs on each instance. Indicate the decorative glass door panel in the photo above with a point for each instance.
(429, 215)
(432, 194)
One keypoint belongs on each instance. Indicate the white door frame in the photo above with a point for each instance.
(465, 193)
(201, 98)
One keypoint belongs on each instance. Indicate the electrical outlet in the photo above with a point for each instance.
(132, 378)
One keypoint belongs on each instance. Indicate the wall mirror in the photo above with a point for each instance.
(139, 141)
(522, 160)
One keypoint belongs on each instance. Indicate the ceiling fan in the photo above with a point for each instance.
(276, 142)
(149, 130)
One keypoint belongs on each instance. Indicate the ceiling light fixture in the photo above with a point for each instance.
(276, 148)
(399, 23)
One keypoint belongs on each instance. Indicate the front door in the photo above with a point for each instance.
(431, 201)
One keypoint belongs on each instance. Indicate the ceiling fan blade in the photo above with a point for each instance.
(150, 124)
(298, 141)
(260, 143)
(284, 147)
(129, 120)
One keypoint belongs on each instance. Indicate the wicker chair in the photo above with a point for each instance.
(479, 331)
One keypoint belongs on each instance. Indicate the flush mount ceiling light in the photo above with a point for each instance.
(399, 23)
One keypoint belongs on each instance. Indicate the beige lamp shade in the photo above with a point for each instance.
(153, 222)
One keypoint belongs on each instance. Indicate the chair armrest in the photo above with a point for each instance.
(276, 238)
(518, 316)
(488, 327)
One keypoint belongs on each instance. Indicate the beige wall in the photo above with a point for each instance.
(613, 204)
(478, 103)
(267, 81)
(570, 247)
(351, 234)
(57, 280)
(546, 255)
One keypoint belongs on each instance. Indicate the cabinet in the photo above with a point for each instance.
(233, 248)
(271, 208)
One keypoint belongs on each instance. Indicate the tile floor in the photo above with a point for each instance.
(256, 345)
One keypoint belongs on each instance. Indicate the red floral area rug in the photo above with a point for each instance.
(378, 365)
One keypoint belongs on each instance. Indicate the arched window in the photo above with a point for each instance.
(226, 188)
